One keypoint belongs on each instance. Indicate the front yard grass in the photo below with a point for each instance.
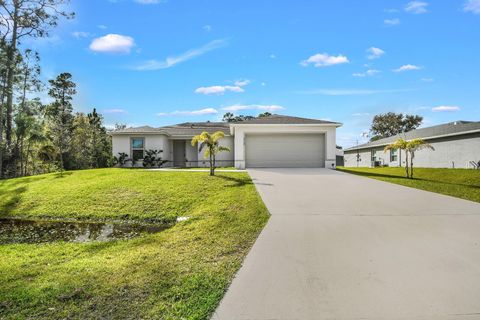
(460, 183)
(180, 273)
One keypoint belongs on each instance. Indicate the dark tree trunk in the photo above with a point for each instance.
(406, 164)
(27, 154)
(212, 172)
(411, 165)
(2, 98)
(12, 48)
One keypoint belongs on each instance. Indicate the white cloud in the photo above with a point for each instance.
(416, 7)
(80, 34)
(207, 28)
(407, 67)
(242, 83)
(174, 60)
(201, 112)
(391, 22)
(369, 72)
(113, 43)
(446, 109)
(472, 6)
(102, 26)
(324, 60)
(269, 108)
(218, 90)
(115, 111)
(427, 79)
(374, 53)
(272, 56)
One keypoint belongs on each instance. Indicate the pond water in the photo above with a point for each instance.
(38, 231)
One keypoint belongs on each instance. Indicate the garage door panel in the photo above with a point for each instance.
(285, 150)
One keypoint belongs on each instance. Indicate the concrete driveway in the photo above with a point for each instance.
(340, 246)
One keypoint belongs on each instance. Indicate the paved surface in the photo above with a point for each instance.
(340, 246)
(195, 170)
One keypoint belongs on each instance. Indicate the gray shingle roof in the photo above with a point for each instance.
(451, 128)
(281, 119)
(194, 128)
(142, 129)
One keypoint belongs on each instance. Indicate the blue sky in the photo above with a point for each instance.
(162, 62)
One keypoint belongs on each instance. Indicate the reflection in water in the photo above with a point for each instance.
(37, 231)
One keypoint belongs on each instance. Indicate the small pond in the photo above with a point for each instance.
(38, 231)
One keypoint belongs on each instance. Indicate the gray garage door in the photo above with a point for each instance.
(285, 150)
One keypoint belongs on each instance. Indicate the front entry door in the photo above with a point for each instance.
(179, 153)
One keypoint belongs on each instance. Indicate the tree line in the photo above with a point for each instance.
(37, 137)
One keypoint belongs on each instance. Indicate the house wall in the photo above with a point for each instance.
(350, 158)
(122, 143)
(224, 159)
(191, 154)
(450, 152)
(242, 130)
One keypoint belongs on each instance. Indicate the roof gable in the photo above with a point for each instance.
(281, 119)
(194, 128)
(446, 129)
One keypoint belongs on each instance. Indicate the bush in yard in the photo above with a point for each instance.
(151, 159)
(121, 160)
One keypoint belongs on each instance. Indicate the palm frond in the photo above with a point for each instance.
(202, 145)
(419, 144)
(217, 136)
(398, 144)
(222, 148)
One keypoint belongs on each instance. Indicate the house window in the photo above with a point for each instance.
(137, 148)
(393, 155)
(373, 156)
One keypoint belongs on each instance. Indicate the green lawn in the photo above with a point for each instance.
(461, 183)
(180, 273)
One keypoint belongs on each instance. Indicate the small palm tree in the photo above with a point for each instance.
(400, 144)
(410, 147)
(210, 142)
(414, 146)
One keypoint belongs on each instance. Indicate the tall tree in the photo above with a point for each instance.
(23, 19)
(390, 124)
(95, 122)
(228, 117)
(81, 149)
(62, 90)
(29, 77)
(264, 114)
(3, 86)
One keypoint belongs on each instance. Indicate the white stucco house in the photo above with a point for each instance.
(457, 145)
(275, 141)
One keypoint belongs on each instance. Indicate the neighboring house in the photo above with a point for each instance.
(457, 145)
(273, 141)
(340, 156)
